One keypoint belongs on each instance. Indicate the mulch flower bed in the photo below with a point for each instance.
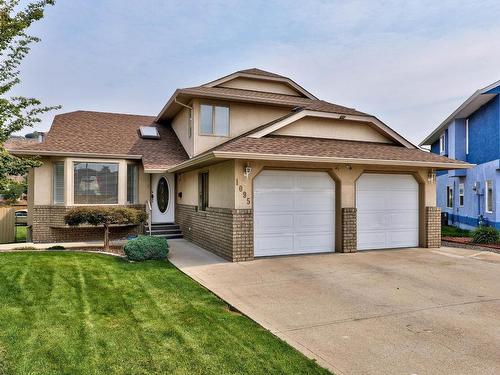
(466, 242)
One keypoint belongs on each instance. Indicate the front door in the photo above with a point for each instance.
(162, 198)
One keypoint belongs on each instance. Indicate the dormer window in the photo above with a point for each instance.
(214, 120)
(442, 144)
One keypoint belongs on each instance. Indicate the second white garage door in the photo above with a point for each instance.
(294, 213)
(387, 210)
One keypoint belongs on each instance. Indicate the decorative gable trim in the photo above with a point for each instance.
(284, 80)
(384, 129)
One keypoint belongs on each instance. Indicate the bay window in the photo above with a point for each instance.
(95, 183)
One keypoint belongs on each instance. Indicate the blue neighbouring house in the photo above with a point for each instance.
(472, 134)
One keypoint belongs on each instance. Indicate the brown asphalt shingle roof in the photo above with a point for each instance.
(260, 72)
(269, 98)
(111, 134)
(334, 148)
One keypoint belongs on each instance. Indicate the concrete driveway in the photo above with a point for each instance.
(409, 311)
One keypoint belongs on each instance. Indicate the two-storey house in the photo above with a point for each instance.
(251, 164)
(472, 134)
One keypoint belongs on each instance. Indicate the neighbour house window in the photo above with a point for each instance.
(203, 191)
(488, 196)
(132, 183)
(95, 183)
(58, 183)
(449, 197)
(467, 137)
(442, 145)
(190, 123)
(214, 120)
(461, 189)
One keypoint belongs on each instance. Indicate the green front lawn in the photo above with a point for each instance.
(451, 231)
(21, 234)
(81, 313)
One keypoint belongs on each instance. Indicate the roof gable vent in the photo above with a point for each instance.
(149, 132)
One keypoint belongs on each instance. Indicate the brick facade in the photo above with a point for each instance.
(225, 232)
(48, 226)
(432, 227)
(349, 230)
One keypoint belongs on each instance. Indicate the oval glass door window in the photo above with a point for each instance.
(162, 194)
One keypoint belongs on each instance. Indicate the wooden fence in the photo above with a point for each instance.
(7, 224)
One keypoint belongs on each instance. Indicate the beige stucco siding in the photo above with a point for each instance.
(180, 124)
(220, 185)
(260, 85)
(242, 118)
(332, 129)
(41, 181)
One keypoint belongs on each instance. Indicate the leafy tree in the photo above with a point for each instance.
(17, 112)
(12, 190)
(104, 216)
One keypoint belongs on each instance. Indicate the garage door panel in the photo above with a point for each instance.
(314, 201)
(313, 243)
(371, 239)
(268, 244)
(387, 211)
(274, 201)
(276, 180)
(294, 213)
(274, 223)
(308, 181)
(371, 220)
(314, 223)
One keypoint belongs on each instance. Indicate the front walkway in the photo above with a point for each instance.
(409, 311)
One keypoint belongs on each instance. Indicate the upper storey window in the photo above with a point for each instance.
(214, 120)
(442, 144)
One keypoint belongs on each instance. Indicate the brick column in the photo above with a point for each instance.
(349, 230)
(432, 227)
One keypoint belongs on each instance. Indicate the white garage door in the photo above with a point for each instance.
(294, 213)
(387, 206)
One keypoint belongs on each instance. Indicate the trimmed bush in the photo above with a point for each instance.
(56, 247)
(146, 247)
(485, 235)
(105, 216)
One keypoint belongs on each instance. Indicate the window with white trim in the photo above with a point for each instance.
(442, 144)
(449, 197)
(488, 196)
(58, 183)
(214, 120)
(95, 183)
(466, 136)
(461, 194)
(132, 183)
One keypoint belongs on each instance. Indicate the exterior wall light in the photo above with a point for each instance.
(247, 170)
(431, 177)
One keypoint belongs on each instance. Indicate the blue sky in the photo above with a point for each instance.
(410, 63)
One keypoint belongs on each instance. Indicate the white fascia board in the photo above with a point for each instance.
(470, 100)
(73, 154)
(335, 160)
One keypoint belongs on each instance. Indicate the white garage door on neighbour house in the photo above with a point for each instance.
(294, 213)
(387, 211)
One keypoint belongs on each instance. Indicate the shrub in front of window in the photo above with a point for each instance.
(485, 235)
(105, 216)
(146, 247)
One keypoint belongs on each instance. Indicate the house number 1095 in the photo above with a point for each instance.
(243, 192)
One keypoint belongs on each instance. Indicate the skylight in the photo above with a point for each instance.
(149, 132)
